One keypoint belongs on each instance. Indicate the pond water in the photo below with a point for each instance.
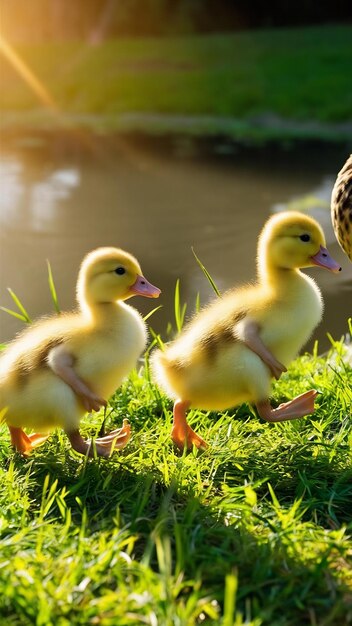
(62, 195)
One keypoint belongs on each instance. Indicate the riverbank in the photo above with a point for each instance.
(261, 85)
(265, 128)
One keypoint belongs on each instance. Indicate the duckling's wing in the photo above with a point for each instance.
(61, 362)
(31, 346)
(249, 332)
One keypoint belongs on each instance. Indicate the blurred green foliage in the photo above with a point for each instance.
(298, 74)
(47, 20)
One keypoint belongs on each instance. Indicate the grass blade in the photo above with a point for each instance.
(157, 341)
(52, 288)
(197, 306)
(148, 315)
(19, 316)
(180, 310)
(3, 413)
(206, 274)
(231, 585)
(20, 306)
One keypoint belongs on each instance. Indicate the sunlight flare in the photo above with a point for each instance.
(28, 75)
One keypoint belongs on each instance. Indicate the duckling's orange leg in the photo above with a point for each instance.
(298, 407)
(25, 443)
(182, 434)
(103, 446)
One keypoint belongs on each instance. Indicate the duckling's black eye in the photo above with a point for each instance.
(120, 271)
(305, 237)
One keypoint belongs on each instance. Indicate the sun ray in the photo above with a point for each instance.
(64, 120)
(28, 75)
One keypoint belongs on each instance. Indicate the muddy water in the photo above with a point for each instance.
(62, 196)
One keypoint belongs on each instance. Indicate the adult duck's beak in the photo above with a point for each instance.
(323, 259)
(142, 287)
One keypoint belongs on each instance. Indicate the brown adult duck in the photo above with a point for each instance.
(341, 208)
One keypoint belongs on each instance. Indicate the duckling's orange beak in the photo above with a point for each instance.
(323, 259)
(142, 287)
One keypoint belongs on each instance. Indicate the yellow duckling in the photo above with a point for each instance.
(341, 207)
(230, 351)
(63, 366)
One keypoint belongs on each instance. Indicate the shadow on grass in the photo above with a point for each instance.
(279, 528)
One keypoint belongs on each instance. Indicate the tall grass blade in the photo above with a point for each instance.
(206, 274)
(148, 315)
(19, 316)
(52, 289)
(197, 306)
(180, 310)
(231, 585)
(156, 340)
(3, 413)
(20, 306)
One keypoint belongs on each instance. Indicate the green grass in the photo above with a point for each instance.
(225, 81)
(255, 531)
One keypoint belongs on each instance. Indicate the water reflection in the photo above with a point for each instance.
(58, 201)
(33, 205)
(12, 191)
(45, 196)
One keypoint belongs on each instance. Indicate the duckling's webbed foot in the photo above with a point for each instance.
(103, 446)
(182, 434)
(298, 407)
(24, 443)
